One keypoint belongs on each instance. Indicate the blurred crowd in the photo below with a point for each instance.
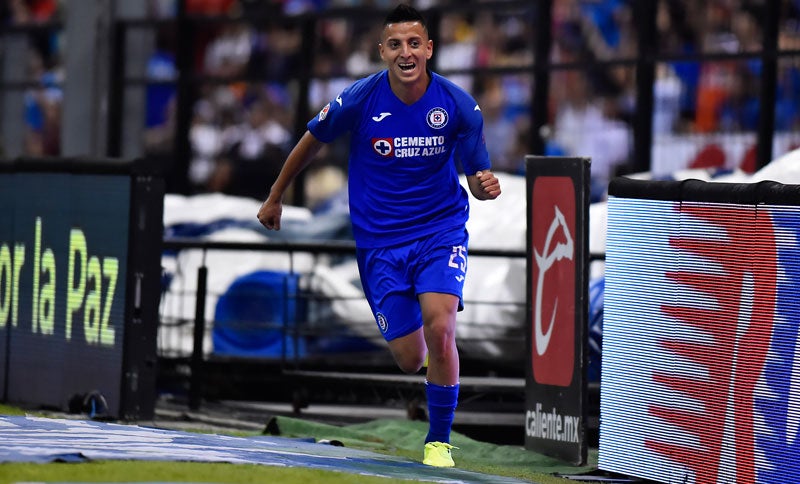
(42, 103)
(243, 121)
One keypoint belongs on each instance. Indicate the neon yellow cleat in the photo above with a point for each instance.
(437, 454)
(425, 363)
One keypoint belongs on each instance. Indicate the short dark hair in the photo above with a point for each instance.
(405, 13)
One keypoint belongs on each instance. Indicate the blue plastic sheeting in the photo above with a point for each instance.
(250, 317)
(44, 440)
(257, 315)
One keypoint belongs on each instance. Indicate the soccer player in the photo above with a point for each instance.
(409, 128)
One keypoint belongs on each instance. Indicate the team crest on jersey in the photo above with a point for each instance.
(324, 113)
(383, 146)
(437, 118)
(382, 322)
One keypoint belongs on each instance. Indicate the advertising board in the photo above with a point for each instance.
(700, 336)
(79, 276)
(558, 206)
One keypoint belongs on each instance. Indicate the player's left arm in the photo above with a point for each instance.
(484, 185)
(474, 156)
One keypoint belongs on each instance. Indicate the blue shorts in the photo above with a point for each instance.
(394, 277)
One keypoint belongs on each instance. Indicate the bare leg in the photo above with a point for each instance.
(439, 316)
(437, 339)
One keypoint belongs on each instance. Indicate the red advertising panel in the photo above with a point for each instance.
(553, 276)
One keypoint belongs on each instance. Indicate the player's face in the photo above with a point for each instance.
(406, 49)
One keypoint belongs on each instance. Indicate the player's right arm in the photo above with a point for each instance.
(299, 158)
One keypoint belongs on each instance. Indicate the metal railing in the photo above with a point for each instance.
(184, 336)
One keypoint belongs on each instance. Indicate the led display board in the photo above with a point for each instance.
(557, 275)
(79, 282)
(701, 332)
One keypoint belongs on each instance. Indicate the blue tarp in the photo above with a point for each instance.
(260, 314)
(251, 316)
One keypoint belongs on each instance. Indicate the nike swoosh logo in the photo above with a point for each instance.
(380, 117)
(476, 108)
(339, 100)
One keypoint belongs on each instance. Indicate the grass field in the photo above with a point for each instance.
(509, 461)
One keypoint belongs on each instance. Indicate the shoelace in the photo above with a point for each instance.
(445, 445)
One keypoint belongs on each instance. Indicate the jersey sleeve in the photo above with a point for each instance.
(341, 114)
(471, 144)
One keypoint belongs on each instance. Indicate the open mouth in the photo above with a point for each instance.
(407, 66)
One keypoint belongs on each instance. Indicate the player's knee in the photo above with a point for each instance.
(410, 363)
(440, 332)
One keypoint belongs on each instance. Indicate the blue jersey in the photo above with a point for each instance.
(403, 177)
